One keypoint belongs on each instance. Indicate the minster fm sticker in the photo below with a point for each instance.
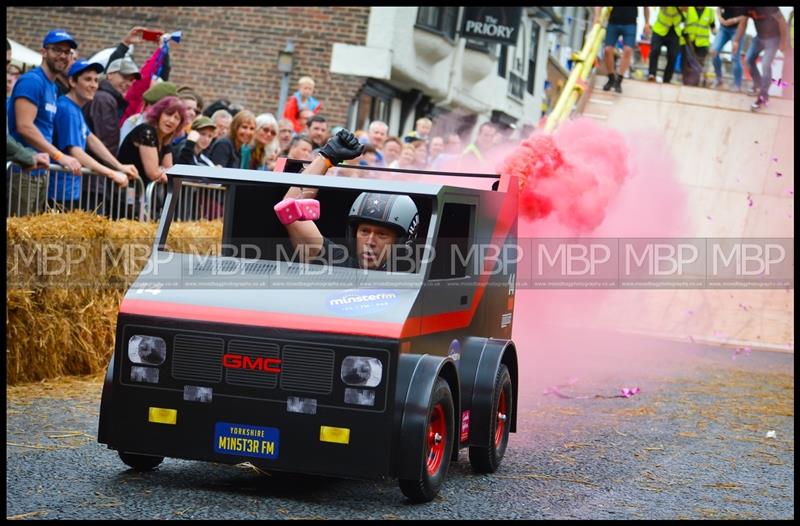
(356, 302)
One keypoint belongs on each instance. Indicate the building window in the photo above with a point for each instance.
(501, 61)
(534, 51)
(440, 20)
(516, 86)
(372, 103)
(516, 78)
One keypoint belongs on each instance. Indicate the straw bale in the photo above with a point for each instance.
(63, 323)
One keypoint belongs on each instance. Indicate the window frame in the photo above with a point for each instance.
(438, 27)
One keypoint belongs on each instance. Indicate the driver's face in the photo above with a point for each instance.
(373, 245)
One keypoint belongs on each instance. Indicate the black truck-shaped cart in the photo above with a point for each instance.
(318, 369)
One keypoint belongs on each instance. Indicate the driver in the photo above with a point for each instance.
(377, 223)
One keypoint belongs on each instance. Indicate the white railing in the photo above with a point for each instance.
(28, 192)
(196, 201)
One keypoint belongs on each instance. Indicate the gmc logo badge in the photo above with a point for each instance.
(238, 361)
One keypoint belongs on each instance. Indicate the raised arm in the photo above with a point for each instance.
(342, 146)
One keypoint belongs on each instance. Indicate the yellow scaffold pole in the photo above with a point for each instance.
(581, 69)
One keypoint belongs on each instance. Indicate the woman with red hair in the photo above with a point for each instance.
(147, 146)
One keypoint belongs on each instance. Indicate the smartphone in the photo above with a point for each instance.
(151, 36)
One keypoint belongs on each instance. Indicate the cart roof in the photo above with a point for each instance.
(405, 182)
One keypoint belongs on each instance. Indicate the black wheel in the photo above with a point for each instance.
(439, 436)
(140, 462)
(487, 459)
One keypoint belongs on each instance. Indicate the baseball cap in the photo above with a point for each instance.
(59, 35)
(160, 90)
(203, 122)
(125, 66)
(81, 65)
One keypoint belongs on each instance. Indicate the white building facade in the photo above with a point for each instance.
(415, 64)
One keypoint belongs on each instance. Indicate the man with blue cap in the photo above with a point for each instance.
(72, 135)
(31, 114)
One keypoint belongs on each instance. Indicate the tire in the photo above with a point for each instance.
(487, 459)
(437, 453)
(140, 462)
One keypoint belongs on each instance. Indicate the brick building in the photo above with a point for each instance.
(391, 63)
(225, 52)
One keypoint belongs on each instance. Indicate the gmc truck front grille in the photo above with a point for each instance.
(304, 369)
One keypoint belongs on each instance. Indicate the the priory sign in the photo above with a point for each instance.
(494, 24)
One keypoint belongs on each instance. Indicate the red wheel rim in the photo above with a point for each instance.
(500, 425)
(437, 438)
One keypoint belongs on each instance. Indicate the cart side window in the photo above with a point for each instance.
(452, 248)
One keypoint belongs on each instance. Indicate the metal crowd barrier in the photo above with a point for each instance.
(28, 193)
(196, 201)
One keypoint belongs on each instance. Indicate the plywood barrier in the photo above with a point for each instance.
(737, 170)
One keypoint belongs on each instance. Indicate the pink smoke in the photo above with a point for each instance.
(589, 181)
(573, 174)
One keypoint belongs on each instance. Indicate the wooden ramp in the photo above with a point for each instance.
(724, 153)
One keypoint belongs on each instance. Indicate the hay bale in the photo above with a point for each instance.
(61, 312)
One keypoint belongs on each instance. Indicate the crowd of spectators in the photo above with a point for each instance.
(123, 122)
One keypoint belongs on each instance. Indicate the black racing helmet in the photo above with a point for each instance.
(397, 212)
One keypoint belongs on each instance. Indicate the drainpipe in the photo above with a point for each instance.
(457, 66)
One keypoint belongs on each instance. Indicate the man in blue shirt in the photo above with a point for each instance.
(72, 135)
(31, 113)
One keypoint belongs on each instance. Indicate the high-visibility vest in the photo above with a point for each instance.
(668, 17)
(471, 149)
(698, 27)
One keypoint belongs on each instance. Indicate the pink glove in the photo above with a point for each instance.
(291, 210)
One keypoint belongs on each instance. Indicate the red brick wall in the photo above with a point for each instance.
(225, 52)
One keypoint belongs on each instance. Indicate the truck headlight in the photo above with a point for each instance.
(147, 350)
(361, 371)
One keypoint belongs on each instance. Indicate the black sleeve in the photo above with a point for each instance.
(118, 53)
(186, 153)
(335, 254)
(221, 153)
(145, 135)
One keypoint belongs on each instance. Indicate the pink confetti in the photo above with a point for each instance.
(689, 312)
(749, 201)
(555, 391)
(741, 350)
(774, 159)
(780, 83)
(790, 191)
(691, 339)
(627, 393)
(743, 306)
